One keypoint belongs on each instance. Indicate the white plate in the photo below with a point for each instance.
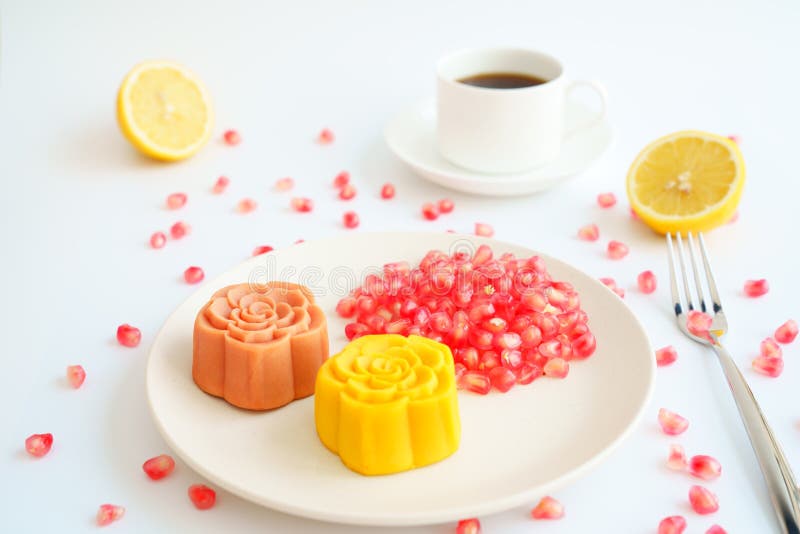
(515, 447)
(411, 135)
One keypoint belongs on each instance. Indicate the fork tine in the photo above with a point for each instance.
(686, 289)
(673, 279)
(712, 285)
(697, 279)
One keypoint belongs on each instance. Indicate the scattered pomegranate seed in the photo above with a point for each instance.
(672, 423)
(262, 249)
(611, 284)
(556, 368)
(756, 288)
(445, 205)
(108, 513)
(158, 240)
(350, 219)
(347, 192)
(176, 201)
(674, 524)
(284, 184)
(502, 378)
(299, 241)
(716, 529)
(787, 332)
(646, 282)
(699, 323)
(220, 185)
(387, 191)
(159, 466)
(548, 508)
(325, 137)
(702, 500)
(429, 211)
(202, 496)
(346, 307)
(768, 365)
(484, 230)
(246, 205)
(590, 232)
(769, 347)
(232, 137)
(705, 467)
(468, 526)
(76, 375)
(666, 356)
(38, 444)
(179, 229)
(735, 138)
(606, 200)
(617, 250)
(476, 382)
(677, 458)
(128, 336)
(302, 204)
(341, 179)
(193, 275)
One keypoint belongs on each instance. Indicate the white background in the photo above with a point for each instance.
(78, 205)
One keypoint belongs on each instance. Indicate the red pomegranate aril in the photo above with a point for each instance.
(480, 311)
(770, 348)
(341, 179)
(302, 204)
(483, 229)
(39, 444)
(502, 378)
(202, 496)
(159, 467)
(489, 360)
(262, 249)
(108, 513)
(355, 330)
(548, 324)
(531, 336)
(528, 372)
(702, 500)
(617, 250)
(584, 346)
(495, 325)
(674, 524)
(548, 508)
(699, 323)
(246, 205)
(387, 191)
(179, 229)
(350, 219)
(440, 322)
(128, 336)
(232, 137)
(400, 326)
(666, 356)
(705, 467)
(284, 184)
(590, 232)
(475, 381)
(375, 323)
(511, 358)
(176, 201)
(756, 288)
(76, 375)
(347, 192)
(671, 423)
(445, 205)
(677, 458)
(468, 526)
(716, 529)
(483, 254)
(421, 316)
(220, 185)
(470, 358)
(346, 307)
(787, 332)
(480, 339)
(158, 240)
(507, 340)
(429, 211)
(366, 305)
(768, 365)
(325, 136)
(606, 200)
(193, 275)
(556, 368)
(646, 282)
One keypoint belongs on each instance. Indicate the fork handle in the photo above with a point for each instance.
(778, 475)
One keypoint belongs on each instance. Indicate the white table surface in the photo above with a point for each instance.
(78, 205)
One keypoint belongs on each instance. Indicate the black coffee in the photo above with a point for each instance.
(503, 80)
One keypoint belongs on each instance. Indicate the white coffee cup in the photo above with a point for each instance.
(493, 130)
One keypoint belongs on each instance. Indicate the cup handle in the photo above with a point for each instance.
(600, 89)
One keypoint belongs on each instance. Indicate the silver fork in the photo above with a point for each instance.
(778, 475)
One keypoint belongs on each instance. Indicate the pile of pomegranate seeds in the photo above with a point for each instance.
(646, 282)
(159, 467)
(468, 526)
(387, 191)
(787, 332)
(325, 137)
(611, 284)
(672, 423)
(505, 319)
(262, 249)
(756, 288)
(158, 240)
(705, 467)
(666, 356)
(232, 137)
(606, 200)
(302, 204)
(128, 336)
(445, 205)
(350, 219)
(347, 192)
(108, 513)
(202, 496)
(674, 524)
(179, 230)
(484, 230)
(193, 275)
(590, 232)
(617, 250)
(176, 201)
(702, 500)
(38, 444)
(548, 508)
(284, 184)
(220, 185)
(76, 375)
(677, 458)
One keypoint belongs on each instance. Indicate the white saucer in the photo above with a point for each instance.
(411, 135)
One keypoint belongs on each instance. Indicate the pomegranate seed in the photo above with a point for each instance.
(528, 372)
(617, 250)
(232, 137)
(699, 323)
(672, 423)
(769, 347)
(476, 381)
(646, 281)
(705, 467)
(468, 526)
(768, 365)
(350, 219)
(76, 375)
(508, 340)
(193, 275)
(38, 444)
(502, 378)
(159, 467)
(355, 330)
(128, 336)
(590, 232)
(716, 529)
(220, 185)
(556, 368)
(548, 508)
(176, 201)
(347, 192)
(284, 184)
(387, 191)
(246, 205)
(756, 288)
(346, 307)
(470, 358)
(325, 137)
(606, 200)
(429, 211)
(108, 513)
(531, 336)
(702, 500)
(787, 332)
(674, 524)
(633, 214)
(484, 230)
(202, 496)
(299, 241)
(677, 458)
(179, 229)
(341, 180)
(445, 205)
(302, 204)
(584, 346)
(666, 356)
(262, 249)
(158, 240)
